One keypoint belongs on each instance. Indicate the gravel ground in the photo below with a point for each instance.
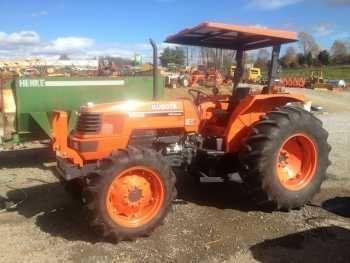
(211, 223)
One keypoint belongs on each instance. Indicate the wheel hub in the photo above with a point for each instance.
(135, 197)
(296, 162)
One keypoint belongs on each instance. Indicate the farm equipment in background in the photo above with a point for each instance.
(193, 77)
(196, 77)
(120, 155)
(173, 75)
(293, 82)
(202, 77)
(31, 72)
(144, 69)
(54, 72)
(251, 74)
(172, 79)
(213, 77)
(315, 81)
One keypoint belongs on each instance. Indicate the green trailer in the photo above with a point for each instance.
(27, 103)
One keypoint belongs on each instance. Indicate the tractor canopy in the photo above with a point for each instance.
(240, 38)
(227, 36)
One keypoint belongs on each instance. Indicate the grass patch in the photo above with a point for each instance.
(330, 72)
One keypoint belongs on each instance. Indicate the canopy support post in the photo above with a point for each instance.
(273, 71)
(239, 69)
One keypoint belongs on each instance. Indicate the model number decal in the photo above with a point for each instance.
(164, 106)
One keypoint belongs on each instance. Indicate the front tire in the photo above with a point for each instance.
(131, 194)
(285, 158)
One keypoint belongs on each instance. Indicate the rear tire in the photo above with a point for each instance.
(131, 194)
(285, 158)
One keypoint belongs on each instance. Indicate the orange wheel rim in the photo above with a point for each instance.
(135, 197)
(296, 162)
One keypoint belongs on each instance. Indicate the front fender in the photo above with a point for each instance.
(60, 138)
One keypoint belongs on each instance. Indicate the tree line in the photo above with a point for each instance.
(311, 54)
(209, 57)
(307, 54)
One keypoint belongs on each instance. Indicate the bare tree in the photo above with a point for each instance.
(339, 52)
(290, 58)
(217, 58)
(263, 58)
(308, 44)
(347, 43)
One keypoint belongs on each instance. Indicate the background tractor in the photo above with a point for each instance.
(251, 74)
(120, 156)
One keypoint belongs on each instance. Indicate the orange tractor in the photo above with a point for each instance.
(120, 155)
(197, 77)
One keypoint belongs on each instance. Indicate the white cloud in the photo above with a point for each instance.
(329, 31)
(323, 30)
(271, 4)
(68, 45)
(259, 26)
(28, 44)
(112, 51)
(125, 50)
(19, 38)
(40, 13)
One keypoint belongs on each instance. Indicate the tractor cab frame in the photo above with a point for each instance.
(231, 117)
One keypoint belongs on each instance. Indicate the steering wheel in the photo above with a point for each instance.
(197, 95)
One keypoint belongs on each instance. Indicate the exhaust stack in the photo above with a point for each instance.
(155, 69)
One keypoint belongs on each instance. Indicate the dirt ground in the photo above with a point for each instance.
(210, 223)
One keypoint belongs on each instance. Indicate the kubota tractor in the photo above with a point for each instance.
(121, 154)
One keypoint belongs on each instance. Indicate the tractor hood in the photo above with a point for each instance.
(134, 107)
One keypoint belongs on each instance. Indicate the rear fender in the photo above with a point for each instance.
(60, 138)
(249, 111)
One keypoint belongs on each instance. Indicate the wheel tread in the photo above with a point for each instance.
(255, 158)
(94, 189)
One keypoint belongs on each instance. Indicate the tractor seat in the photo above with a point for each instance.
(222, 116)
(239, 95)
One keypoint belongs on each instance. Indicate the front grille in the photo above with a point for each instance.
(89, 122)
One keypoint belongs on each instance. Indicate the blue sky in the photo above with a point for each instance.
(91, 28)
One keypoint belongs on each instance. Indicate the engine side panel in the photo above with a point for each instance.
(119, 123)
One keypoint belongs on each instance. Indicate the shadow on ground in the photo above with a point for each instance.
(338, 205)
(229, 195)
(55, 211)
(26, 157)
(59, 215)
(324, 244)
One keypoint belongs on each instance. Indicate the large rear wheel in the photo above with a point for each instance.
(285, 157)
(131, 194)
